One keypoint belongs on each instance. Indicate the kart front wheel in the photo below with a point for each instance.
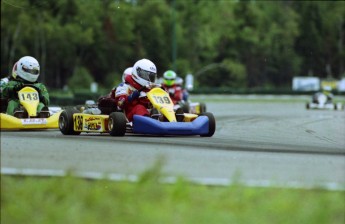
(66, 122)
(117, 124)
(211, 124)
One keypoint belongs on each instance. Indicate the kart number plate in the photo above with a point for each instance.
(28, 96)
(88, 123)
(33, 121)
(162, 99)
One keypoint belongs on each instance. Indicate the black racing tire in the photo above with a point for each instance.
(66, 122)
(179, 115)
(117, 124)
(338, 106)
(202, 108)
(335, 106)
(212, 124)
(185, 107)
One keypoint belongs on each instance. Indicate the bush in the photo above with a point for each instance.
(81, 79)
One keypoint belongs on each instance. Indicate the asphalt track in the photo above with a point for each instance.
(257, 143)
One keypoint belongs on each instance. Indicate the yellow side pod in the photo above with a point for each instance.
(8, 122)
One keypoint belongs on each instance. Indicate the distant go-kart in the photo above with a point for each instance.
(322, 102)
(164, 120)
(192, 107)
(27, 117)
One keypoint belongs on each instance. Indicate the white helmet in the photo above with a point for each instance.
(26, 68)
(144, 72)
(126, 73)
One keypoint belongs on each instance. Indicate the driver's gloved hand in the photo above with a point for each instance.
(171, 92)
(18, 86)
(37, 86)
(135, 94)
(41, 97)
(13, 90)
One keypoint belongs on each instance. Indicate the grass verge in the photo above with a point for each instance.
(75, 200)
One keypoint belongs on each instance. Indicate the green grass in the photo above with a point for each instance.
(75, 200)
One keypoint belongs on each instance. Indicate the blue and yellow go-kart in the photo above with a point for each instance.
(27, 117)
(165, 121)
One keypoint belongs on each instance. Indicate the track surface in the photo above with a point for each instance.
(259, 144)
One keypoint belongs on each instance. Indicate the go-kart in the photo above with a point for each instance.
(27, 117)
(191, 107)
(323, 102)
(164, 120)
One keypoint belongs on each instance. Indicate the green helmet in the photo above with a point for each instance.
(169, 78)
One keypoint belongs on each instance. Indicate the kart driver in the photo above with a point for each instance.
(108, 104)
(25, 71)
(3, 101)
(327, 92)
(185, 93)
(127, 72)
(170, 85)
(131, 95)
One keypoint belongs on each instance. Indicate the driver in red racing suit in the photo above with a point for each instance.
(108, 103)
(175, 91)
(131, 95)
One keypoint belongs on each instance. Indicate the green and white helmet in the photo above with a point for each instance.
(169, 78)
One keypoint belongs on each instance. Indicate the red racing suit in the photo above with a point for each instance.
(132, 106)
(175, 92)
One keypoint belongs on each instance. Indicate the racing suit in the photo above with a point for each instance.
(175, 92)
(3, 100)
(9, 92)
(131, 98)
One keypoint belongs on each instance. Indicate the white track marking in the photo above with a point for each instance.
(134, 178)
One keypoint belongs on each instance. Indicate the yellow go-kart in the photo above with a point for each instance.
(27, 117)
(164, 121)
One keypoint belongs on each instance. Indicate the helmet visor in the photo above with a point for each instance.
(147, 75)
(34, 71)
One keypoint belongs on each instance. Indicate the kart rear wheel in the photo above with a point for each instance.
(211, 124)
(185, 107)
(202, 108)
(338, 106)
(179, 115)
(66, 122)
(117, 124)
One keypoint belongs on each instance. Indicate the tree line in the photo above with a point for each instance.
(224, 43)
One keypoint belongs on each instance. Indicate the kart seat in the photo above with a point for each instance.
(107, 104)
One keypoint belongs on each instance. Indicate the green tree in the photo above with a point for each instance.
(321, 38)
(153, 33)
(247, 43)
(81, 79)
